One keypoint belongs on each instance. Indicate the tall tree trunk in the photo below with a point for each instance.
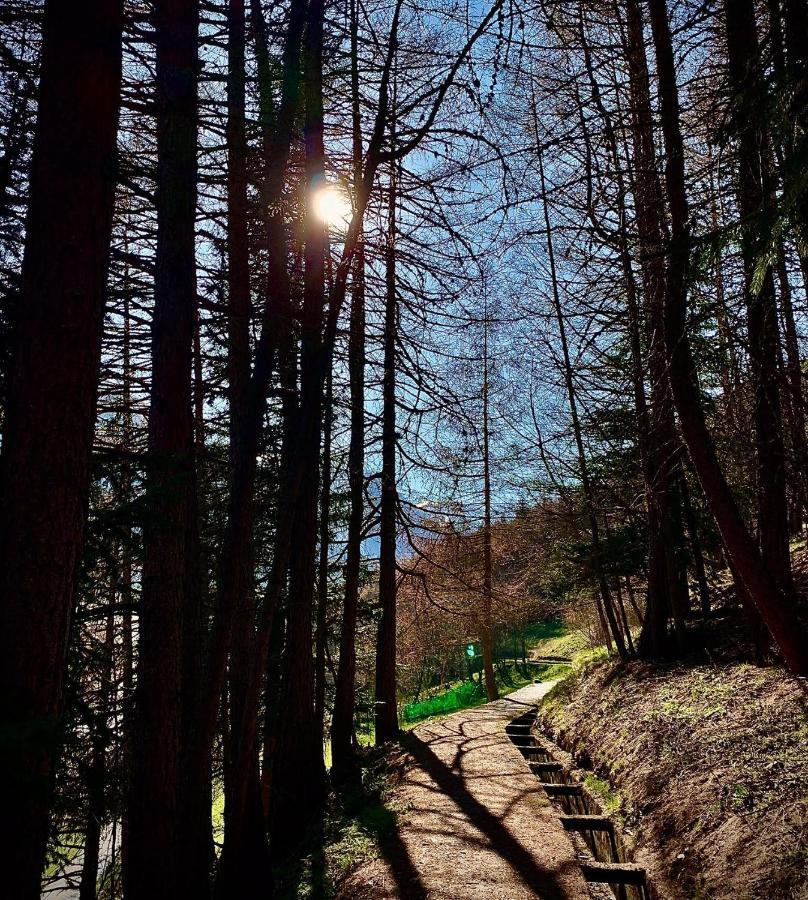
(795, 396)
(769, 598)
(486, 631)
(96, 774)
(386, 709)
(583, 468)
(244, 849)
(298, 764)
(50, 408)
(754, 187)
(196, 853)
(156, 771)
(321, 635)
(277, 126)
(667, 582)
(342, 725)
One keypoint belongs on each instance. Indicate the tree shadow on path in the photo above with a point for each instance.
(546, 884)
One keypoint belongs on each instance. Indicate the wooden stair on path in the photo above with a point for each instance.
(540, 768)
(561, 790)
(613, 873)
(517, 729)
(536, 752)
(587, 823)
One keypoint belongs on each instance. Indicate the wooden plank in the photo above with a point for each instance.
(613, 873)
(561, 790)
(587, 823)
(532, 752)
(540, 767)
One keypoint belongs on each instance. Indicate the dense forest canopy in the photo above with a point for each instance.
(338, 336)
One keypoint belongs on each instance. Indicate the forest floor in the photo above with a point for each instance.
(705, 763)
(471, 820)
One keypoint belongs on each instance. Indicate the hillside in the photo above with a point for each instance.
(707, 767)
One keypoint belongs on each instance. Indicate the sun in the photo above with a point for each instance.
(332, 206)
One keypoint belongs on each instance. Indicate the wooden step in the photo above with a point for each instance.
(539, 768)
(523, 740)
(532, 752)
(613, 873)
(517, 729)
(561, 790)
(587, 823)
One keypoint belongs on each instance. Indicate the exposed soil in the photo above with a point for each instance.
(708, 766)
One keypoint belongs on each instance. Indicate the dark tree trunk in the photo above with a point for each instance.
(583, 468)
(244, 851)
(237, 542)
(486, 636)
(342, 725)
(298, 766)
(322, 568)
(695, 546)
(768, 597)
(50, 408)
(96, 774)
(667, 583)
(386, 708)
(196, 853)
(156, 766)
(754, 187)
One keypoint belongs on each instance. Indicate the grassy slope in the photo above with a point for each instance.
(708, 765)
(464, 695)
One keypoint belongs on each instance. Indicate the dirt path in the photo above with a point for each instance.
(475, 824)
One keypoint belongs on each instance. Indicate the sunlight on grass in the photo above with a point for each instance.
(465, 696)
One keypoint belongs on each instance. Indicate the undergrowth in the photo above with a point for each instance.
(356, 822)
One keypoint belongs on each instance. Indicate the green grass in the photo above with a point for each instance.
(552, 672)
(217, 811)
(534, 635)
(610, 799)
(568, 643)
(556, 699)
(463, 696)
(70, 845)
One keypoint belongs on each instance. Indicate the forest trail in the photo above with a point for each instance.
(475, 821)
